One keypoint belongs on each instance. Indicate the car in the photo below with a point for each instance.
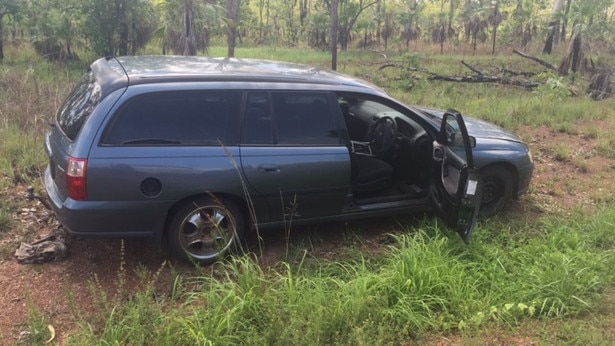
(195, 151)
(503, 159)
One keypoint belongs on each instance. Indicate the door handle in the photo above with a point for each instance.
(268, 168)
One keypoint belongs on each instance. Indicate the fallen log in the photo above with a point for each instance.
(487, 79)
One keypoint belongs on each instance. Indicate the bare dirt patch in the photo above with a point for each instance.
(570, 176)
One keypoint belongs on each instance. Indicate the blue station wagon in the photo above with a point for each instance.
(196, 151)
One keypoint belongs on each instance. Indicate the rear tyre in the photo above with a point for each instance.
(205, 229)
(497, 190)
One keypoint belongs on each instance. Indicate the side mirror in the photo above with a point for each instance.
(456, 140)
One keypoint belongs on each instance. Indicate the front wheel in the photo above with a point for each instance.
(497, 190)
(205, 229)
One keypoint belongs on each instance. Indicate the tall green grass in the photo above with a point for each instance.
(427, 282)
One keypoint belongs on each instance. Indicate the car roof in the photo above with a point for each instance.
(132, 70)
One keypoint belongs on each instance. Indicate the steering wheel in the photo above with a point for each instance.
(382, 134)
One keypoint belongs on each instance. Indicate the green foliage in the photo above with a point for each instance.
(427, 283)
(118, 27)
(22, 160)
(554, 87)
(40, 331)
(5, 219)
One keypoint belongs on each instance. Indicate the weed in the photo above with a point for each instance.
(5, 219)
(40, 331)
(562, 153)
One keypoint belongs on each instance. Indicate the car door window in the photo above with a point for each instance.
(291, 119)
(258, 121)
(177, 118)
(305, 119)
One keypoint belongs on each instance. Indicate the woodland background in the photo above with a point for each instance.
(64, 29)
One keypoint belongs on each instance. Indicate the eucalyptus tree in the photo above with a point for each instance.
(186, 25)
(7, 8)
(264, 12)
(522, 30)
(288, 9)
(408, 17)
(554, 26)
(333, 32)
(592, 24)
(388, 28)
(117, 27)
(349, 12)
(317, 27)
(234, 10)
(595, 19)
(495, 19)
(53, 26)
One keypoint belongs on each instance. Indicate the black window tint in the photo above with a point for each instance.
(258, 122)
(179, 118)
(78, 106)
(306, 118)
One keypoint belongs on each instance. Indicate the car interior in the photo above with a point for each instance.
(391, 154)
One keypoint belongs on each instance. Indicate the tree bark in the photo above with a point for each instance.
(600, 85)
(123, 27)
(189, 42)
(553, 32)
(497, 18)
(333, 34)
(233, 25)
(1, 38)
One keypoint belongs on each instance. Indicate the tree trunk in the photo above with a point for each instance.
(600, 85)
(123, 27)
(303, 12)
(233, 25)
(1, 39)
(565, 22)
(189, 44)
(553, 29)
(497, 18)
(333, 34)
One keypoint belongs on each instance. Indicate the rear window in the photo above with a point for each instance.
(78, 106)
(177, 118)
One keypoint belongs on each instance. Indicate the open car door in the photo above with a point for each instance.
(456, 192)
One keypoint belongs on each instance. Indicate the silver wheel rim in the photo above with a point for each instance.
(207, 232)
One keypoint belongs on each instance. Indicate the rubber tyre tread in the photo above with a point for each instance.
(500, 176)
(188, 208)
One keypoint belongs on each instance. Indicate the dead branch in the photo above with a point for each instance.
(540, 61)
(508, 72)
(480, 77)
(471, 68)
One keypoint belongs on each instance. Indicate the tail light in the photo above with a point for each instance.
(76, 174)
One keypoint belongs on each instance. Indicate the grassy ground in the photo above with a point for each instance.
(544, 278)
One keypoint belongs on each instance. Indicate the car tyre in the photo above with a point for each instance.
(496, 190)
(205, 229)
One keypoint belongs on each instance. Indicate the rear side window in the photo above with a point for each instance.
(176, 118)
(79, 105)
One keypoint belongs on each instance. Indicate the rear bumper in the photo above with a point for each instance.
(105, 219)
